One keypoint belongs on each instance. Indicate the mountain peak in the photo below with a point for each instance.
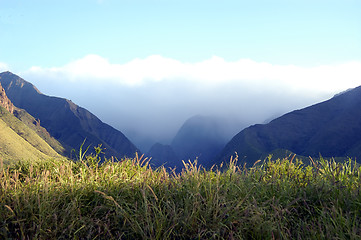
(10, 80)
(65, 121)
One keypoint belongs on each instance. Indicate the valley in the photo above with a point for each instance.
(329, 129)
(90, 180)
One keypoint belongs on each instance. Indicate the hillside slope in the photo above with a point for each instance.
(19, 142)
(331, 128)
(35, 125)
(64, 120)
(20, 139)
(27, 119)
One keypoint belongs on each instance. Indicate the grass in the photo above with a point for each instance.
(275, 199)
(18, 141)
(34, 124)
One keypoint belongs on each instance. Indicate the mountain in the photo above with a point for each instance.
(64, 120)
(29, 121)
(18, 141)
(34, 124)
(164, 155)
(331, 128)
(201, 138)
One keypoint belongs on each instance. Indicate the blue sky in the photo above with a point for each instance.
(249, 60)
(52, 33)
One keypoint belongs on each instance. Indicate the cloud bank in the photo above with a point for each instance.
(215, 70)
(148, 99)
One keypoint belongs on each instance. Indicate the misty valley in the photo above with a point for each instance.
(194, 120)
(330, 129)
(66, 174)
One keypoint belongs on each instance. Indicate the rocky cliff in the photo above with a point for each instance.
(5, 101)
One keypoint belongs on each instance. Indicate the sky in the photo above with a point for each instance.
(146, 66)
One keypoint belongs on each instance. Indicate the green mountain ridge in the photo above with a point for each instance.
(19, 142)
(330, 129)
(68, 123)
(21, 136)
(34, 124)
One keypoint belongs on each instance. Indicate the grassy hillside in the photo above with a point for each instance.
(67, 122)
(18, 141)
(34, 124)
(281, 199)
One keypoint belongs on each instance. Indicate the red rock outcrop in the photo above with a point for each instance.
(5, 101)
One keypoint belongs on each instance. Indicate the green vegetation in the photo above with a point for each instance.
(18, 141)
(275, 199)
(34, 124)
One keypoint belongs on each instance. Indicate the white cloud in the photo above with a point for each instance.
(136, 72)
(215, 70)
(152, 97)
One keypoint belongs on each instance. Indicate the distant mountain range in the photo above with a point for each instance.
(33, 125)
(65, 121)
(200, 137)
(331, 128)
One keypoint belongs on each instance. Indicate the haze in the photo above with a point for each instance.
(145, 67)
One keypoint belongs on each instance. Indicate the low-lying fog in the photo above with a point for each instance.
(149, 99)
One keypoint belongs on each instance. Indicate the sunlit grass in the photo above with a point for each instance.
(281, 199)
(21, 141)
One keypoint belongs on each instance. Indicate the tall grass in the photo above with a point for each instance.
(281, 199)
